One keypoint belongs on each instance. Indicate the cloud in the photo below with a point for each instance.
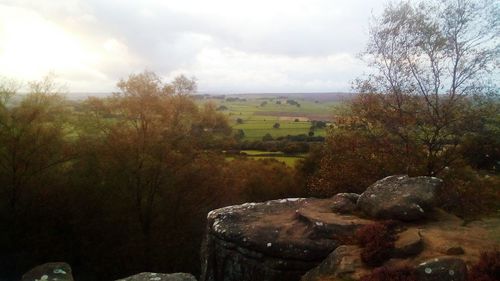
(236, 46)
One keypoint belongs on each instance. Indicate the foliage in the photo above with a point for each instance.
(391, 274)
(32, 139)
(267, 137)
(377, 240)
(118, 185)
(429, 108)
(429, 58)
(469, 193)
(488, 267)
(353, 158)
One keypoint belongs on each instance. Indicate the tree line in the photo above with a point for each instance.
(121, 184)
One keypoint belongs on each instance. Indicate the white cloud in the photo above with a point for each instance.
(237, 46)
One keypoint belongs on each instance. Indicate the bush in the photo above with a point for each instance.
(377, 240)
(487, 269)
(468, 193)
(387, 274)
(267, 137)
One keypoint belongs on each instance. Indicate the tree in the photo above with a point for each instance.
(267, 137)
(429, 92)
(150, 132)
(33, 137)
(239, 134)
(429, 59)
(276, 125)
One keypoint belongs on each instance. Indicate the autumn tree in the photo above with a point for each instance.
(431, 85)
(33, 134)
(430, 59)
(150, 132)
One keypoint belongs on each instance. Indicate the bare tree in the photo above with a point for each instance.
(429, 59)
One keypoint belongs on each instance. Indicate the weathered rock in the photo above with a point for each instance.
(49, 272)
(442, 269)
(343, 263)
(455, 251)
(344, 203)
(274, 240)
(399, 197)
(151, 276)
(409, 243)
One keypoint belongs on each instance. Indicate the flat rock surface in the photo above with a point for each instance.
(303, 229)
(408, 243)
(445, 231)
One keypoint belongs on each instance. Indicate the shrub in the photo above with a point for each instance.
(267, 137)
(469, 193)
(377, 240)
(388, 274)
(487, 269)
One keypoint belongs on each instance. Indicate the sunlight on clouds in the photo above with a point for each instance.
(260, 45)
(31, 46)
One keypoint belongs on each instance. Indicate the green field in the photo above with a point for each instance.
(289, 160)
(258, 118)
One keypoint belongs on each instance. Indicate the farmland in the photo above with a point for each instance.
(256, 116)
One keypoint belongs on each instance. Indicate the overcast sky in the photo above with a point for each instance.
(228, 45)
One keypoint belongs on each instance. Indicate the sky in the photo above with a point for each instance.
(230, 46)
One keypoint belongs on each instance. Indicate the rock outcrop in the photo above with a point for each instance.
(59, 271)
(399, 197)
(315, 238)
(274, 240)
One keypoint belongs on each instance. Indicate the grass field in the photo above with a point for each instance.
(258, 115)
(289, 160)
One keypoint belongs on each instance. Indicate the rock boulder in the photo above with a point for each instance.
(54, 271)
(442, 269)
(344, 263)
(400, 198)
(344, 203)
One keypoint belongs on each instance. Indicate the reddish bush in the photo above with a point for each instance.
(387, 274)
(487, 269)
(377, 240)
